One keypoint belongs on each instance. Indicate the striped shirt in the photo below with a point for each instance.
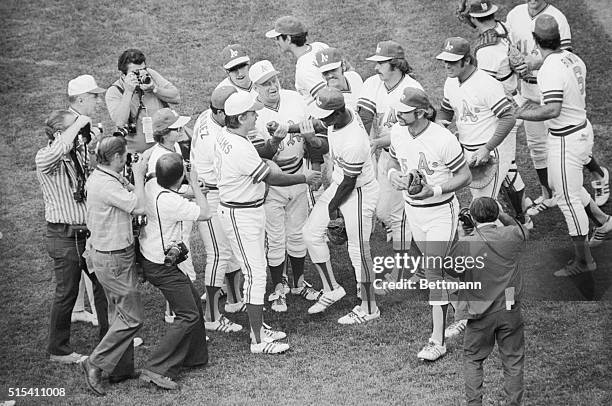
(58, 179)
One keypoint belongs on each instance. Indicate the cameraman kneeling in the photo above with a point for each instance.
(162, 246)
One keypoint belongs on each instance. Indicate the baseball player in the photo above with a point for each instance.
(220, 262)
(286, 207)
(236, 62)
(520, 22)
(483, 113)
(378, 95)
(419, 144)
(335, 71)
(562, 82)
(241, 176)
(354, 191)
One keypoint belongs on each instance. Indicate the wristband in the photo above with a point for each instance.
(437, 190)
(390, 172)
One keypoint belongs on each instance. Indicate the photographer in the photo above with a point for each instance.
(61, 169)
(135, 97)
(162, 244)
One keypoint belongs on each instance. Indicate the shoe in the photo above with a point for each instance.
(279, 302)
(543, 205)
(169, 318)
(602, 188)
(138, 342)
(161, 381)
(285, 285)
(269, 335)
(528, 202)
(269, 348)
(455, 328)
(327, 299)
(223, 325)
(112, 379)
(235, 307)
(307, 292)
(93, 377)
(83, 316)
(358, 316)
(574, 268)
(432, 351)
(74, 358)
(600, 233)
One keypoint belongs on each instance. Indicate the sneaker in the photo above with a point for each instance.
(74, 358)
(574, 268)
(327, 299)
(543, 205)
(269, 348)
(358, 316)
(528, 202)
(223, 325)
(307, 292)
(269, 335)
(600, 233)
(235, 307)
(169, 318)
(83, 316)
(138, 341)
(455, 329)
(602, 188)
(432, 351)
(279, 302)
(161, 381)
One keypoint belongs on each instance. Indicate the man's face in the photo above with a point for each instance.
(172, 136)
(331, 119)
(249, 119)
(135, 68)
(269, 91)
(384, 70)
(282, 44)
(88, 103)
(334, 78)
(408, 118)
(240, 75)
(122, 159)
(454, 69)
(536, 5)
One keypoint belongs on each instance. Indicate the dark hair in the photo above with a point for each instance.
(484, 209)
(297, 39)
(401, 64)
(57, 122)
(131, 55)
(169, 169)
(232, 121)
(239, 66)
(551, 43)
(215, 110)
(159, 135)
(485, 18)
(431, 113)
(108, 147)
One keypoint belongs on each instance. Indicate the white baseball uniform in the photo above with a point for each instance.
(521, 25)
(378, 99)
(308, 78)
(227, 82)
(350, 151)
(352, 93)
(570, 136)
(219, 257)
(477, 103)
(241, 192)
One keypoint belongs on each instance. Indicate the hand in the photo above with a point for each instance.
(522, 69)
(426, 192)
(374, 145)
(150, 86)
(193, 177)
(139, 168)
(130, 82)
(281, 131)
(399, 181)
(307, 129)
(82, 120)
(481, 156)
(443, 123)
(313, 177)
(533, 61)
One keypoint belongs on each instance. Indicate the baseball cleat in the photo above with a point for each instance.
(574, 268)
(543, 205)
(235, 307)
(307, 292)
(432, 351)
(83, 316)
(223, 325)
(600, 233)
(269, 348)
(455, 329)
(327, 299)
(358, 316)
(602, 188)
(279, 302)
(269, 335)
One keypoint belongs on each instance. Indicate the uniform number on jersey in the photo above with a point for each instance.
(466, 113)
(579, 78)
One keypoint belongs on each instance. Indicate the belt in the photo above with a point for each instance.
(562, 132)
(246, 205)
(450, 199)
(211, 187)
(531, 81)
(121, 251)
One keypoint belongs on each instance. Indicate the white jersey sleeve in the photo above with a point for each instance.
(308, 78)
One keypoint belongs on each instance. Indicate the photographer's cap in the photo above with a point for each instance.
(546, 27)
(329, 99)
(234, 55)
(241, 102)
(328, 59)
(262, 71)
(286, 25)
(481, 8)
(412, 98)
(220, 95)
(387, 50)
(83, 84)
(168, 118)
(455, 48)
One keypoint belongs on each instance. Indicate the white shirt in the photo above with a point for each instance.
(355, 84)
(228, 82)
(241, 171)
(435, 152)
(308, 78)
(349, 148)
(477, 103)
(493, 59)
(173, 211)
(157, 151)
(203, 146)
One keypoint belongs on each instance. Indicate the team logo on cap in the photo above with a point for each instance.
(484, 6)
(378, 48)
(233, 53)
(448, 47)
(324, 58)
(319, 102)
(403, 98)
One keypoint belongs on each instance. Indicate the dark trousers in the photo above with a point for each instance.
(66, 251)
(505, 328)
(184, 343)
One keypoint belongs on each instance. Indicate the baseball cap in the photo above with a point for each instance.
(287, 25)
(261, 71)
(387, 50)
(241, 102)
(328, 59)
(412, 99)
(455, 48)
(328, 100)
(168, 118)
(234, 55)
(546, 27)
(481, 8)
(83, 84)
(220, 95)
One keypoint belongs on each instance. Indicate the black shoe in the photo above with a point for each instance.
(161, 381)
(114, 379)
(93, 378)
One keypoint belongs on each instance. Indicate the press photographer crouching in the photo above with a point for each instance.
(62, 169)
(163, 248)
(493, 311)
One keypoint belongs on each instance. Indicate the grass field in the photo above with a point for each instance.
(45, 44)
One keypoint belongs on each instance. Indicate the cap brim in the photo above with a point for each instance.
(490, 11)
(319, 113)
(272, 34)
(238, 61)
(447, 56)
(180, 122)
(257, 105)
(329, 66)
(265, 77)
(97, 90)
(379, 58)
(400, 107)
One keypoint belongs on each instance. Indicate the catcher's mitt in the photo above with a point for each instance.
(483, 174)
(416, 179)
(336, 232)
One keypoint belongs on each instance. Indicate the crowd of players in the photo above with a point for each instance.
(270, 168)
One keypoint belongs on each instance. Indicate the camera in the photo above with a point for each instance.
(144, 78)
(175, 253)
(138, 222)
(125, 130)
(79, 195)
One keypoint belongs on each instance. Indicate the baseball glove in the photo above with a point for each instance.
(416, 179)
(336, 231)
(483, 174)
(515, 59)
